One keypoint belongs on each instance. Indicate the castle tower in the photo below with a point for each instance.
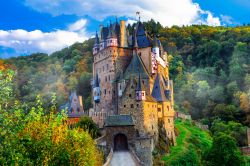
(123, 34)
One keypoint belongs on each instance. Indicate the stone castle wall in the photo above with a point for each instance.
(107, 63)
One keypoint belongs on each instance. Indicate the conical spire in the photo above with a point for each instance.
(96, 84)
(96, 39)
(111, 32)
(135, 39)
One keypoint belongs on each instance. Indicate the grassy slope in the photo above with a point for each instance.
(191, 143)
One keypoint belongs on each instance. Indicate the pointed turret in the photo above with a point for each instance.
(96, 84)
(140, 92)
(96, 39)
(96, 47)
(112, 37)
(156, 47)
(96, 90)
(135, 40)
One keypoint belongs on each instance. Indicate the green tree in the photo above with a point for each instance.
(36, 138)
(224, 152)
(87, 124)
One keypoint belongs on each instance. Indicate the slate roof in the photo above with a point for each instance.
(139, 87)
(96, 39)
(134, 67)
(96, 81)
(158, 91)
(119, 120)
(71, 105)
(104, 33)
(142, 37)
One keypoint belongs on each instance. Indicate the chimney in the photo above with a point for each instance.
(123, 34)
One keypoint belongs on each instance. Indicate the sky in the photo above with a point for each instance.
(31, 26)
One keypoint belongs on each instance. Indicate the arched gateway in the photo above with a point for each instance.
(120, 132)
(120, 142)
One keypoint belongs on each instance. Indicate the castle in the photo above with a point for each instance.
(132, 91)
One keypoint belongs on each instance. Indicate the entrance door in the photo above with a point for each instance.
(120, 142)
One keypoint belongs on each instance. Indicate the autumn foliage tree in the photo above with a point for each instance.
(36, 138)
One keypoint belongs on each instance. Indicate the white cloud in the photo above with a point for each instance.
(167, 12)
(213, 21)
(78, 25)
(227, 19)
(26, 42)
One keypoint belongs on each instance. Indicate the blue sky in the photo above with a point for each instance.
(28, 26)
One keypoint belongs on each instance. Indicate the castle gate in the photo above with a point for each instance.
(120, 142)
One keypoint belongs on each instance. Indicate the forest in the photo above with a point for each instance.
(210, 67)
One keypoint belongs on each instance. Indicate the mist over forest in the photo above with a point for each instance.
(210, 68)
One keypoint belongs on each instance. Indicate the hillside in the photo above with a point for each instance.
(192, 142)
(211, 64)
(210, 67)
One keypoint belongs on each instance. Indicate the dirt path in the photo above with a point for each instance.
(122, 159)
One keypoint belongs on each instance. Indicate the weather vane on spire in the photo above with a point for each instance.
(138, 13)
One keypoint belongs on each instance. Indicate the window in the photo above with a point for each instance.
(103, 68)
(105, 78)
(120, 86)
(129, 95)
(168, 120)
(137, 105)
(159, 110)
(105, 91)
(109, 77)
(137, 133)
(132, 105)
(124, 106)
(107, 66)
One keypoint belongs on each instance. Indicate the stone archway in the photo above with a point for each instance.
(120, 142)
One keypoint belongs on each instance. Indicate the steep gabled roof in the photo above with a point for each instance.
(119, 120)
(134, 67)
(104, 33)
(141, 36)
(158, 91)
